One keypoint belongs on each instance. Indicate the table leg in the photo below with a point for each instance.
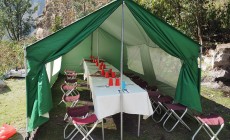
(103, 134)
(139, 122)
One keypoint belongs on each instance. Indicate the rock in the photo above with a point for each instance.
(222, 57)
(40, 33)
(220, 74)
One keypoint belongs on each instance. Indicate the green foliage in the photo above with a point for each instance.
(16, 17)
(202, 20)
(57, 24)
(12, 54)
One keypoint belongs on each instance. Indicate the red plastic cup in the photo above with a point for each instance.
(107, 74)
(113, 74)
(110, 71)
(102, 72)
(104, 66)
(100, 67)
(96, 63)
(110, 81)
(117, 82)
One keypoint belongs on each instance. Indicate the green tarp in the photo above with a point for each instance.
(39, 100)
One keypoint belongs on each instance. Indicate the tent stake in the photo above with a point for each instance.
(121, 69)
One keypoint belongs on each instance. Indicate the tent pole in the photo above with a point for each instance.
(98, 46)
(121, 69)
(27, 119)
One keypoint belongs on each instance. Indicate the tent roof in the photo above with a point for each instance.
(169, 39)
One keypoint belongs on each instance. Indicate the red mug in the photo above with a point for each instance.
(113, 74)
(117, 83)
(110, 81)
(106, 74)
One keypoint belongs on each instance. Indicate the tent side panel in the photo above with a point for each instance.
(73, 59)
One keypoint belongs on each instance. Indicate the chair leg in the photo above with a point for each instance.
(160, 105)
(179, 120)
(197, 131)
(94, 126)
(66, 137)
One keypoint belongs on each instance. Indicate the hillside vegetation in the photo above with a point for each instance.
(12, 54)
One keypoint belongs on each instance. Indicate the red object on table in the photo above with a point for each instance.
(110, 81)
(100, 67)
(103, 72)
(104, 66)
(106, 74)
(110, 71)
(113, 74)
(117, 83)
(7, 131)
(96, 63)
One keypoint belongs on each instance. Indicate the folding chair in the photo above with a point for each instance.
(159, 106)
(206, 121)
(80, 126)
(171, 110)
(71, 99)
(69, 72)
(68, 90)
(81, 111)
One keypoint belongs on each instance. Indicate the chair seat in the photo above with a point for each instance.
(77, 111)
(71, 98)
(71, 74)
(71, 80)
(153, 94)
(163, 99)
(68, 87)
(90, 119)
(211, 119)
(175, 106)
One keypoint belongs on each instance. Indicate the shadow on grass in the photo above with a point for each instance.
(17, 136)
(53, 129)
(5, 89)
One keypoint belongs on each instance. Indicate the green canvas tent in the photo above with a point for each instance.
(162, 55)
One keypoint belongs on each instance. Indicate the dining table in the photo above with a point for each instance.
(106, 99)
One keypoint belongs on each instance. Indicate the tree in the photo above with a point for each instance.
(16, 17)
(202, 20)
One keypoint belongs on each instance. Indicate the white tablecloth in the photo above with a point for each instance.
(106, 99)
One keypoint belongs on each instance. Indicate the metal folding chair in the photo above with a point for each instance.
(171, 111)
(206, 121)
(80, 126)
(68, 90)
(159, 106)
(81, 111)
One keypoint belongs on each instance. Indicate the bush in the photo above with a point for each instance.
(12, 54)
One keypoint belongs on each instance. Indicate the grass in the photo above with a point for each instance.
(13, 106)
(12, 110)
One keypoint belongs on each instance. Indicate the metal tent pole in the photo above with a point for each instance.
(27, 119)
(121, 70)
(98, 46)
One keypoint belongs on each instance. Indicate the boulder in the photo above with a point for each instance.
(220, 74)
(222, 56)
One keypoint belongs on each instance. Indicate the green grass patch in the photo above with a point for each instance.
(13, 106)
